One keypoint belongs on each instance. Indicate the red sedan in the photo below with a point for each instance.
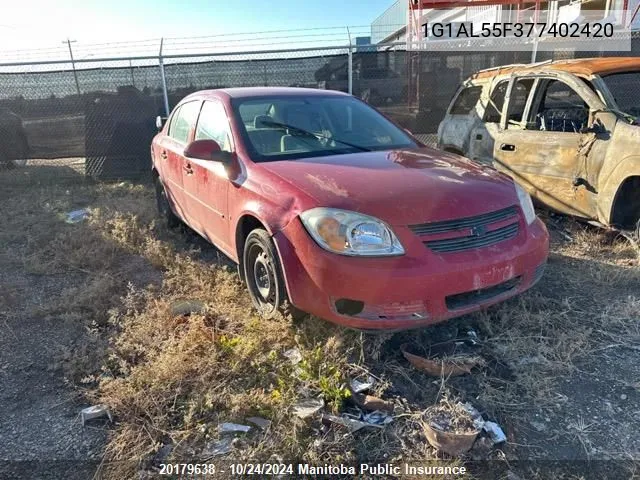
(328, 206)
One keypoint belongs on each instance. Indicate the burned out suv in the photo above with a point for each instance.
(567, 131)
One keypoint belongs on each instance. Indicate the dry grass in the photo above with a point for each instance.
(172, 380)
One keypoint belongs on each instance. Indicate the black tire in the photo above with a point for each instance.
(164, 208)
(264, 279)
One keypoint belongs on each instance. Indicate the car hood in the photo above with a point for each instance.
(400, 187)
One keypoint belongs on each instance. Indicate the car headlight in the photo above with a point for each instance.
(526, 204)
(350, 233)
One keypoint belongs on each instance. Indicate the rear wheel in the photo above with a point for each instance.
(164, 208)
(262, 273)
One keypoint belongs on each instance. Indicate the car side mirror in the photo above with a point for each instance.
(596, 127)
(160, 122)
(207, 150)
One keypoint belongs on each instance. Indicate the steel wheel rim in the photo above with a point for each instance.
(261, 278)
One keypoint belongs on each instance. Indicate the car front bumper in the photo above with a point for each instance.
(416, 289)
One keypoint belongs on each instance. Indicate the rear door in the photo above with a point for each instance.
(540, 143)
(206, 182)
(171, 153)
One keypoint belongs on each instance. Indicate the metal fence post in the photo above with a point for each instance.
(165, 93)
(350, 65)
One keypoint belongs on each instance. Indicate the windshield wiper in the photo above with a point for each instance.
(305, 133)
(626, 116)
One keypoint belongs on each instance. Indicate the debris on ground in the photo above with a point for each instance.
(377, 418)
(77, 216)
(260, 422)
(372, 403)
(450, 427)
(218, 447)
(96, 411)
(358, 386)
(352, 424)
(233, 427)
(187, 307)
(293, 355)
(307, 408)
(495, 432)
(447, 364)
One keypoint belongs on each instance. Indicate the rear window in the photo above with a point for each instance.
(466, 101)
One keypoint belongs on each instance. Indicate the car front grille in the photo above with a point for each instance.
(461, 300)
(470, 232)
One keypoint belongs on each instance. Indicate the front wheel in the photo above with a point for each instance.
(262, 273)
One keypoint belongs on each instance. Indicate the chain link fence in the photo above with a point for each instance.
(96, 118)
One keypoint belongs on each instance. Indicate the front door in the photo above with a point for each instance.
(541, 143)
(206, 182)
(171, 153)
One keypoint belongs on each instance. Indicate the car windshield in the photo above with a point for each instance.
(292, 127)
(624, 88)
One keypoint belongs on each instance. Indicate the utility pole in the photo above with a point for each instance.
(73, 64)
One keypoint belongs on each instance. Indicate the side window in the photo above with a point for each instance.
(560, 109)
(466, 101)
(213, 124)
(183, 120)
(494, 110)
(518, 99)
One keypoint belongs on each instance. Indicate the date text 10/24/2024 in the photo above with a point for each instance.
(278, 469)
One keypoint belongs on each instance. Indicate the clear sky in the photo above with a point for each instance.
(45, 23)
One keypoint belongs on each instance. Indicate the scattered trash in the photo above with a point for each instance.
(219, 447)
(472, 337)
(453, 365)
(293, 355)
(97, 411)
(371, 403)
(234, 427)
(377, 418)
(496, 434)
(450, 427)
(262, 423)
(358, 387)
(478, 421)
(306, 408)
(352, 424)
(77, 216)
(187, 307)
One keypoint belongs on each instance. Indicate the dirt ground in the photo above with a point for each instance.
(86, 317)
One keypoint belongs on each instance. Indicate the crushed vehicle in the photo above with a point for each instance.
(567, 131)
(330, 208)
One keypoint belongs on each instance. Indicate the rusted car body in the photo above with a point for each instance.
(567, 131)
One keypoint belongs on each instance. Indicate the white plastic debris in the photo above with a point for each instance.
(293, 355)
(262, 423)
(377, 418)
(478, 421)
(352, 424)
(306, 408)
(219, 447)
(359, 386)
(234, 427)
(496, 434)
(96, 411)
(77, 216)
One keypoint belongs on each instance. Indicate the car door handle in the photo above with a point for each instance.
(187, 169)
(507, 147)
(163, 154)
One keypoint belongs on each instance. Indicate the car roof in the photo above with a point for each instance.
(584, 67)
(248, 92)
